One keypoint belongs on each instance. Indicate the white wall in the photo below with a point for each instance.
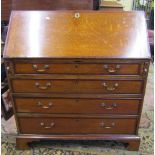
(127, 4)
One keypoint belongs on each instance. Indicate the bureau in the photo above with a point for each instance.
(77, 75)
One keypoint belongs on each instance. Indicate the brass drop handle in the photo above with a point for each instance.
(36, 68)
(48, 84)
(110, 88)
(112, 69)
(114, 105)
(43, 106)
(103, 125)
(47, 127)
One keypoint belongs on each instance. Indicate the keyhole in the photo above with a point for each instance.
(77, 120)
(76, 66)
(76, 81)
(77, 100)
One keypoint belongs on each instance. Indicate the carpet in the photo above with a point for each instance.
(88, 147)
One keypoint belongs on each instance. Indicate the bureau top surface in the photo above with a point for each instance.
(92, 34)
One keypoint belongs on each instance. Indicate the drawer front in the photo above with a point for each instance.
(49, 105)
(76, 125)
(77, 86)
(105, 69)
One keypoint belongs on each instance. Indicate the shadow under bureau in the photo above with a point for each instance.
(77, 75)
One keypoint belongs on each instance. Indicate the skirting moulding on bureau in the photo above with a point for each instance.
(77, 75)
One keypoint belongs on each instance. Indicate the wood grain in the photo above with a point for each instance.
(77, 86)
(133, 141)
(53, 5)
(9, 5)
(58, 34)
(80, 78)
(76, 125)
(6, 9)
(77, 106)
(76, 68)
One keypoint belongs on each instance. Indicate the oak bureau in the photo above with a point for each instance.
(77, 75)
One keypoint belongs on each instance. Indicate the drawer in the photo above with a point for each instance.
(98, 106)
(76, 125)
(77, 86)
(105, 69)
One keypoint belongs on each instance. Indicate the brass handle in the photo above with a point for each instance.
(47, 127)
(45, 67)
(43, 106)
(48, 84)
(112, 69)
(110, 88)
(103, 125)
(114, 105)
